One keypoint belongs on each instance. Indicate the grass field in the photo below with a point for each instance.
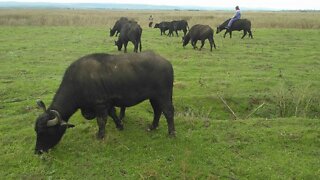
(279, 68)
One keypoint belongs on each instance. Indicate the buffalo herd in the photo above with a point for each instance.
(98, 83)
(130, 30)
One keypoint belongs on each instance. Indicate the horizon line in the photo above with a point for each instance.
(173, 7)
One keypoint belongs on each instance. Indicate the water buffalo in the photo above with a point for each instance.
(97, 83)
(118, 25)
(163, 26)
(130, 32)
(238, 25)
(178, 26)
(199, 32)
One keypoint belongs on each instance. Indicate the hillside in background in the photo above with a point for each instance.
(41, 5)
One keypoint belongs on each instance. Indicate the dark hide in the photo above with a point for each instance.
(238, 25)
(98, 83)
(118, 25)
(163, 26)
(178, 26)
(199, 32)
(130, 32)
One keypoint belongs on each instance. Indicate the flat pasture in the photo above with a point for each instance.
(270, 82)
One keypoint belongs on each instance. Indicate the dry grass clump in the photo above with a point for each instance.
(70, 17)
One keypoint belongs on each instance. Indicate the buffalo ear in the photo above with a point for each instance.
(41, 105)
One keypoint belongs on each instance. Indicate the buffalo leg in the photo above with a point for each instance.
(177, 33)
(214, 44)
(230, 32)
(168, 111)
(250, 34)
(202, 44)
(125, 46)
(244, 34)
(101, 120)
(136, 44)
(116, 120)
(122, 113)
(210, 41)
(194, 44)
(156, 114)
(224, 36)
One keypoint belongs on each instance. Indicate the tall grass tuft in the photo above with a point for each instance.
(297, 101)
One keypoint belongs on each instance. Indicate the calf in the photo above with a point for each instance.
(199, 32)
(163, 26)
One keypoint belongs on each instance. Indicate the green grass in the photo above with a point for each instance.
(279, 67)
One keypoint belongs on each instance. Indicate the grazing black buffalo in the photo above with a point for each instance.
(163, 26)
(178, 26)
(97, 83)
(130, 32)
(118, 25)
(238, 25)
(199, 32)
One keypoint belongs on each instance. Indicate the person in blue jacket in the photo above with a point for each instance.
(235, 17)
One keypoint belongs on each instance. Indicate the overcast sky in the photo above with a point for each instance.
(273, 4)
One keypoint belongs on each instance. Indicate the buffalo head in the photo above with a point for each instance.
(119, 44)
(157, 25)
(218, 30)
(112, 32)
(185, 40)
(49, 128)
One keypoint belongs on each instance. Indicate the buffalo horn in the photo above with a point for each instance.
(56, 120)
(60, 120)
(53, 122)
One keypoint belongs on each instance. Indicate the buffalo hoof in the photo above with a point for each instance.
(172, 134)
(151, 127)
(39, 152)
(120, 127)
(100, 136)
